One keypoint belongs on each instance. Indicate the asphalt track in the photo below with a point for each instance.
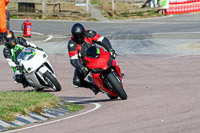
(160, 59)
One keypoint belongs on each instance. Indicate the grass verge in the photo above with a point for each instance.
(125, 10)
(13, 103)
(73, 107)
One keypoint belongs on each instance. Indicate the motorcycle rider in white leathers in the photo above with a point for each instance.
(12, 48)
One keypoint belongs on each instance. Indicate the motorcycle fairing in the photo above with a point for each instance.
(34, 71)
(40, 61)
(100, 62)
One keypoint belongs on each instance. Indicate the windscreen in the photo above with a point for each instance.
(26, 54)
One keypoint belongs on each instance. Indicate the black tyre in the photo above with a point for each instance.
(116, 85)
(112, 97)
(39, 89)
(52, 81)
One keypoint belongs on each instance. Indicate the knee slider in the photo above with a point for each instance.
(77, 82)
(19, 78)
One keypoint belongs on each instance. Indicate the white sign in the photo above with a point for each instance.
(165, 4)
(80, 3)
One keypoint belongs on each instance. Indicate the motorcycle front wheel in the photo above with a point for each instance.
(39, 89)
(52, 81)
(112, 97)
(116, 85)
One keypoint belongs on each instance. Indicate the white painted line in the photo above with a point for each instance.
(32, 32)
(49, 115)
(49, 38)
(176, 33)
(19, 123)
(97, 106)
(5, 124)
(37, 33)
(17, 31)
(27, 118)
(61, 36)
(56, 111)
(38, 116)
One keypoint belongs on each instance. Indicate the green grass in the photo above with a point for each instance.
(12, 103)
(125, 10)
(13, 16)
(126, 14)
(12, 3)
(100, 2)
(73, 107)
(18, 35)
(94, 2)
(92, 19)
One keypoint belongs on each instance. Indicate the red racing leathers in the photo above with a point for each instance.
(77, 53)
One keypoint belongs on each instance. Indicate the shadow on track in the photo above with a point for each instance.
(84, 100)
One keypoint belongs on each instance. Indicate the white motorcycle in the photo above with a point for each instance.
(37, 69)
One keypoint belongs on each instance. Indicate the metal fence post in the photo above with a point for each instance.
(88, 7)
(43, 8)
(113, 8)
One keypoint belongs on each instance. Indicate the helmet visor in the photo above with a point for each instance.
(10, 42)
(79, 37)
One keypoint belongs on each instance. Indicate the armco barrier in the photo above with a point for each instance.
(179, 7)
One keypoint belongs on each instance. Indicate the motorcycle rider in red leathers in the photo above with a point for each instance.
(80, 41)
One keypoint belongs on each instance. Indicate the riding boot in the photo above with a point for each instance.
(92, 87)
(25, 83)
(95, 89)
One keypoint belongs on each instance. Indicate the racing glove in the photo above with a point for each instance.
(84, 70)
(39, 48)
(112, 53)
(19, 68)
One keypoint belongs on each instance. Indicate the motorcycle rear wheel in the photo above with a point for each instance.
(50, 78)
(116, 85)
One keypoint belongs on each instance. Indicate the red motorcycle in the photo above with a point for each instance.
(105, 72)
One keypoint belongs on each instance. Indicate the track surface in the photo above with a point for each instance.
(160, 60)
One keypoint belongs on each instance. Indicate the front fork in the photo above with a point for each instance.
(90, 79)
(106, 81)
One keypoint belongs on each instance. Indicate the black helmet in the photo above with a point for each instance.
(78, 32)
(9, 38)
